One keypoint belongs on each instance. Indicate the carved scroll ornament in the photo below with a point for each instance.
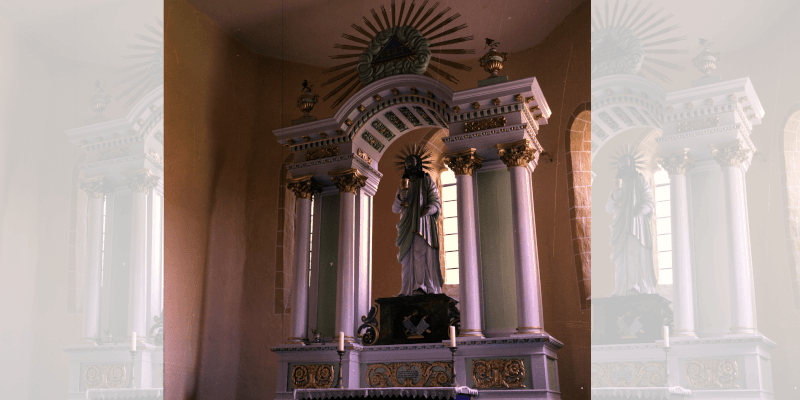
(498, 373)
(318, 376)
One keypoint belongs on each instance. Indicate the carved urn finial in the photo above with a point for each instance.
(492, 62)
(706, 61)
(307, 99)
(99, 100)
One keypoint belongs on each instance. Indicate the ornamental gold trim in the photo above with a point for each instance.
(712, 374)
(695, 124)
(517, 154)
(498, 373)
(364, 156)
(304, 187)
(496, 101)
(114, 152)
(476, 105)
(323, 152)
(677, 163)
(141, 180)
(317, 376)
(464, 162)
(457, 109)
(518, 97)
(488, 123)
(731, 154)
(105, 376)
(95, 187)
(411, 374)
(348, 180)
(629, 374)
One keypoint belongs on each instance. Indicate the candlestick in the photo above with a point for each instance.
(453, 360)
(133, 366)
(341, 341)
(666, 336)
(452, 336)
(339, 384)
(133, 341)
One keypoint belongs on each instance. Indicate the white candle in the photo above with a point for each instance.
(133, 341)
(341, 341)
(452, 336)
(666, 336)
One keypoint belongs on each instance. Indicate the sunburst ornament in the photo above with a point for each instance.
(628, 156)
(146, 74)
(624, 43)
(400, 45)
(422, 154)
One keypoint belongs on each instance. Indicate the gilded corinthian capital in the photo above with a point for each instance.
(95, 187)
(304, 187)
(464, 162)
(348, 180)
(676, 163)
(517, 154)
(141, 180)
(731, 154)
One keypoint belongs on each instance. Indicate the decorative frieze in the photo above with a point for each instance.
(676, 163)
(364, 156)
(105, 376)
(424, 115)
(349, 180)
(141, 180)
(94, 187)
(464, 162)
(712, 374)
(410, 374)
(410, 116)
(392, 117)
(498, 373)
(731, 154)
(369, 138)
(516, 154)
(114, 152)
(629, 374)
(324, 152)
(488, 123)
(700, 123)
(382, 129)
(317, 376)
(304, 187)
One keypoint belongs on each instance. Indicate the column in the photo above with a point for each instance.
(676, 165)
(95, 189)
(304, 188)
(730, 156)
(516, 156)
(464, 164)
(140, 182)
(349, 182)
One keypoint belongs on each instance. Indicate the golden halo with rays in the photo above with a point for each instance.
(414, 150)
(420, 25)
(632, 151)
(629, 32)
(146, 74)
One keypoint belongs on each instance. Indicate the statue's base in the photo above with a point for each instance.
(492, 80)
(615, 319)
(410, 320)
(303, 120)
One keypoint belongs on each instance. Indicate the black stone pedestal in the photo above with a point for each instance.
(409, 320)
(630, 319)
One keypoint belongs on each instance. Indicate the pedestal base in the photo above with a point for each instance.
(303, 120)
(630, 319)
(409, 319)
(492, 80)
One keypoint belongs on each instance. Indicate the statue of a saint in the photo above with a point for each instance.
(631, 202)
(417, 201)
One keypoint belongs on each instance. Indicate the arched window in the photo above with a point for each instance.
(663, 227)
(450, 214)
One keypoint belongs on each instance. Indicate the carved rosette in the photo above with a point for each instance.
(712, 374)
(498, 373)
(349, 180)
(141, 180)
(676, 163)
(94, 187)
(410, 374)
(517, 154)
(304, 187)
(105, 376)
(731, 154)
(629, 374)
(317, 376)
(463, 162)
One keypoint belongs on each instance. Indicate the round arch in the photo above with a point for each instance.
(790, 177)
(578, 138)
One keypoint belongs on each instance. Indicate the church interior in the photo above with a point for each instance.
(105, 228)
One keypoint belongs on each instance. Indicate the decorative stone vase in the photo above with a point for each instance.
(492, 62)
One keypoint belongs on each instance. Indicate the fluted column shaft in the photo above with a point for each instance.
(516, 156)
(676, 166)
(140, 182)
(304, 188)
(349, 182)
(730, 157)
(464, 164)
(94, 231)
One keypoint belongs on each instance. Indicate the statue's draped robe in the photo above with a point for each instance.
(632, 237)
(418, 238)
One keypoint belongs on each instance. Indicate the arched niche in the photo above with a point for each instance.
(579, 169)
(790, 177)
